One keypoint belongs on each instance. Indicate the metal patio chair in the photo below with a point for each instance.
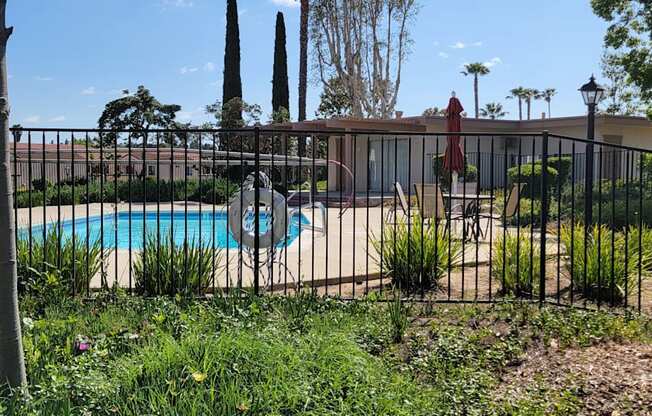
(510, 210)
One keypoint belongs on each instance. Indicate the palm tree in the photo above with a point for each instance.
(476, 69)
(493, 111)
(12, 363)
(546, 95)
(519, 94)
(528, 96)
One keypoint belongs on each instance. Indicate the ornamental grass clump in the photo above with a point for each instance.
(606, 268)
(56, 265)
(168, 268)
(415, 255)
(515, 264)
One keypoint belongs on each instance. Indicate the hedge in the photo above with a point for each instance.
(148, 191)
(531, 175)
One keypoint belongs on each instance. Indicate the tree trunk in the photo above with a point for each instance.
(303, 68)
(529, 107)
(520, 109)
(12, 364)
(475, 91)
(548, 109)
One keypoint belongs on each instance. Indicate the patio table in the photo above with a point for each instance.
(471, 211)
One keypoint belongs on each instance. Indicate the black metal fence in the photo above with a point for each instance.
(162, 212)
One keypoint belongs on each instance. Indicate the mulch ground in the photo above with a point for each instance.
(610, 379)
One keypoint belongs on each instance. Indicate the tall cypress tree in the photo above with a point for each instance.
(232, 86)
(280, 88)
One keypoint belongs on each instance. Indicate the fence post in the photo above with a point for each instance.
(544, 215)
(256, 209)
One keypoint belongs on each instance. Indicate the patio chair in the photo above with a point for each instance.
(430, 201)
(510, 210)
(402, 206)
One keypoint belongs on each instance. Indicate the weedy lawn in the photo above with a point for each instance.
(121, 355)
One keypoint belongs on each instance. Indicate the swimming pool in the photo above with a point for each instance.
(204, 228)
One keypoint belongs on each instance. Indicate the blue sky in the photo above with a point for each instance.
(67, 58)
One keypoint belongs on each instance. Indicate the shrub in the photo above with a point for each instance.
(22, 199)
(599, 283)
(531, 175)
(405, 255)
(516, 264)
(218, 194)
(50, 274)
(169, 268)
(562, 165)
(40, 185)
(470, 173)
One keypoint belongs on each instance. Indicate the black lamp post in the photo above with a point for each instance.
(592, 93)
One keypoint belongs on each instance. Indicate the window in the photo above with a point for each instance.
(188, 171)
(151, 171)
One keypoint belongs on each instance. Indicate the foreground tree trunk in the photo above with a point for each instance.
(12, 364)
(303, 68)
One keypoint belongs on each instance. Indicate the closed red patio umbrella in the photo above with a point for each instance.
(453, 157)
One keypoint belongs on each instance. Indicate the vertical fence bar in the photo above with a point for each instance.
(599, 239)
(257, 210)
(572, 230)
(59, 230)
(544, 216)
(88, 230)
(492, 163)
(74, 234)
(115, 208)
(185, 213)
(640, 228)
(15, 178)
(214, 193)
(627, 178)
(354, 139)
(129, 224)
(30, 237)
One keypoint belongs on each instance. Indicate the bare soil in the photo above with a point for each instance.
(610, 379)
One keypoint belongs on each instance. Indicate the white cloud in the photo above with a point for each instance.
(89, 91)
(32, 119)
(40, 78)
(178, 3)
(443, 55)
(57, 119)
(185, 70)
(209, 67)
(462, 45)
(493, 62)
(286, 3)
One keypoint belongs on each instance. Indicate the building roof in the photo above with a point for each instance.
(438, 124)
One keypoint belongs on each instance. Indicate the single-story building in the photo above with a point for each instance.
(384, 151)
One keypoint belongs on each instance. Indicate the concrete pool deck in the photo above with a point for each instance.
(334, 265)
(311, 256)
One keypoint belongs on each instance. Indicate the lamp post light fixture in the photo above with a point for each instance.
(592, 94)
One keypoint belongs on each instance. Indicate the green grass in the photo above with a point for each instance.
(300, 355)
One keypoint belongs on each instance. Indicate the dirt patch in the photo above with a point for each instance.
(608, 379)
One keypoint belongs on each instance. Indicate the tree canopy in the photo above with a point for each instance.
(138, 111)
(363, 44)
(630, 35)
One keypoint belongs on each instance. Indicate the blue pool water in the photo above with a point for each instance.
(202, 228)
